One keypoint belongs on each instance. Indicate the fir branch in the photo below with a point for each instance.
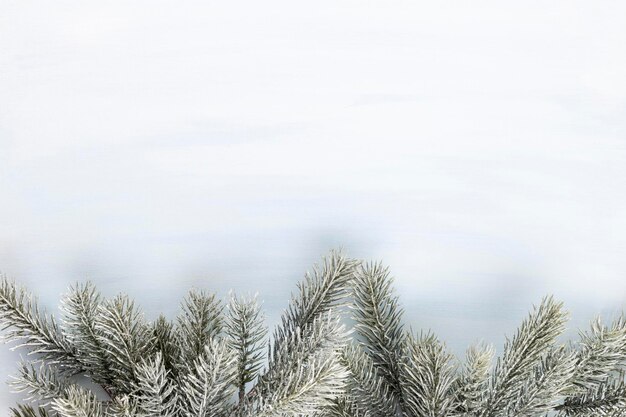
(125, 338)
(154, 392)
(344, 407)
(309, 336)
(370, 393)
(378, 321)
(245, 335)
(305, 374)
(320, 291)
(472, 385)
(28, 411)
(207, 389)
(607, 398)
(24, 322)
(521, 354)
(78, 402)
(546, 388)
(428, 377)
(199, 323)
(42, 385)
(81, 307)
(602, 352)
(166, 342)
(122, 406)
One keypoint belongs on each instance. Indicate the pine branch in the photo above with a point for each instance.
(81, 308)
(473, 382)
(309, 336)
(154, 392)
(370, 394)
(602, 352)
(77, 402)
(546, 387)
(125, 338)
(344, 407)
(28, 411)
(207, 389)
(607, 398)
(320, 292)
(42, 385)
(428, 377)
(245, 335)
(533, 339)
(22, 321)
(166, 342)
(305, 375)
(378, 321)
(122, 406)
(199, 323)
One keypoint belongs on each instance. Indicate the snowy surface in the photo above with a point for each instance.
(479, 148)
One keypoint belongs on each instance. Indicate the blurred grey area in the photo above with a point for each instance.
(479, 149)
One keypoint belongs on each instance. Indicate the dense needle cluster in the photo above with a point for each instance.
(210, 361)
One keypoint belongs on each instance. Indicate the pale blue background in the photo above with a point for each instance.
(479, 148)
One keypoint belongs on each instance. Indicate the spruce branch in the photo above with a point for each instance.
(305, 374)
(199, 323)
(522, 353)
(607, 398)
(602, 352)
(378, 321)
(78, 402)
(23, 321)
(206, 390)
(428, 377)
(369, 392)
(42, 385)
(125, 339)
(166, 342)
(343, 407)
(28, 411)
(245, 335)
(472, 384)
(154, 392)
(547, 387)
(81, 307)
(320, 291)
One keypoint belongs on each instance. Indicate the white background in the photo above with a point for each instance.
(478, 148)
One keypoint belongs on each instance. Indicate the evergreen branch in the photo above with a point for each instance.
(305, 375)
(22, 321)
(166, 342)
(320, 292)
(428, 377)
(344, 407)
(533, 339)
(602, 352)
(43, 384)
(473, 382)
(125, 338)
(199, 323)
(607, 398)
(154, 392)
(245, 335)
(28, 411)
(81, 308)
(546, 388)
(207, 389)
(368, 390)
(122, 406)
(77, 402)
(378, 321)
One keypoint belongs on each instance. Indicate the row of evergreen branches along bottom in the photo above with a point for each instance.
(211, 361)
